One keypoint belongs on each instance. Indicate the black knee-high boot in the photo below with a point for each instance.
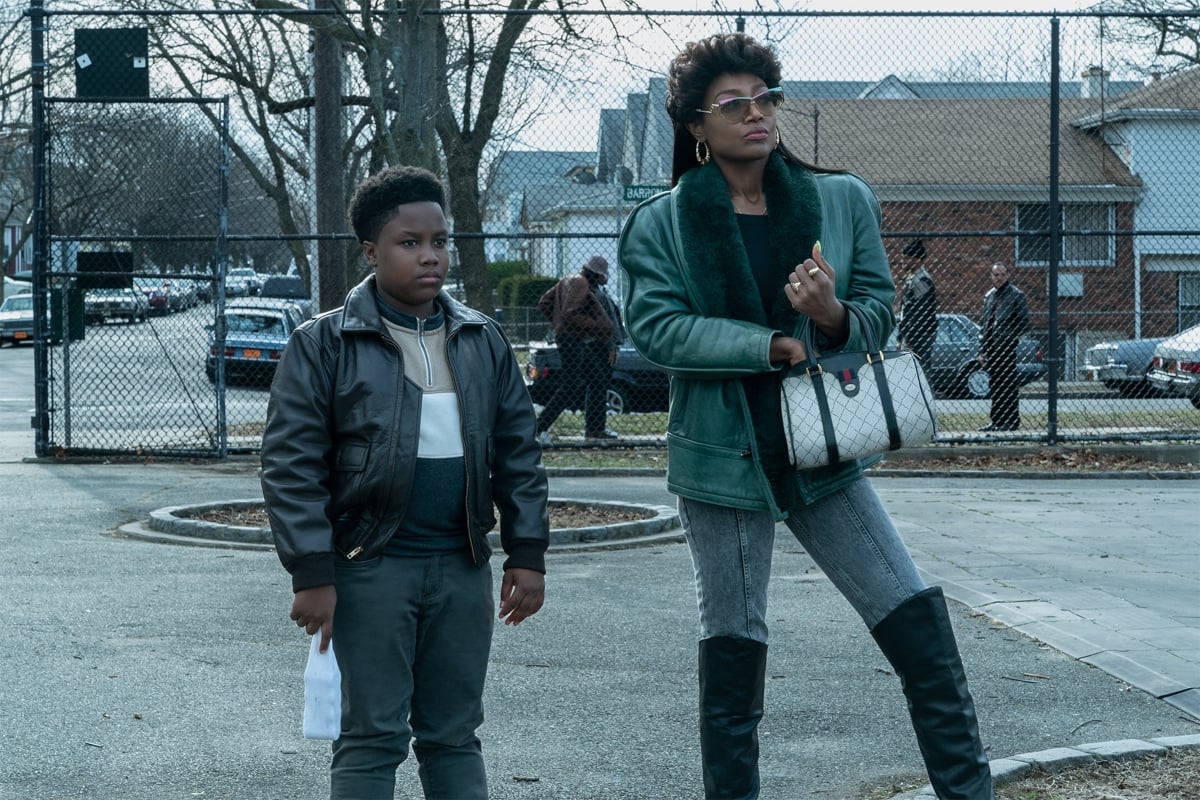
(919, 642)
(732, 677)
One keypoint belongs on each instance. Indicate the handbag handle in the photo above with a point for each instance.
(811, 364)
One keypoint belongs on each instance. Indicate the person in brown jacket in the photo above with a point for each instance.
(588, 331)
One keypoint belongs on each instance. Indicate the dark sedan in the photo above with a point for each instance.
(953, 369)
(1122, 366)
(636, 385)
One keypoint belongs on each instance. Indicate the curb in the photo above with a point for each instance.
(1011, 474)
(1057, 759)
(179, 525)
(884, 471)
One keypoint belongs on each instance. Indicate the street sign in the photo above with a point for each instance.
(639, 193)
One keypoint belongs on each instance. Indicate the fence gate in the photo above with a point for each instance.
(135, 220)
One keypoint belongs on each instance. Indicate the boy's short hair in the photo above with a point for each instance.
(375, 199)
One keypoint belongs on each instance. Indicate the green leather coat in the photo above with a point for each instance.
(691, 307)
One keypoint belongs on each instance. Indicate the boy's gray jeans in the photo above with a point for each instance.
(412, 638)
(848, 534)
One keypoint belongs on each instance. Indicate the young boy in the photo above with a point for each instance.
(394, 424)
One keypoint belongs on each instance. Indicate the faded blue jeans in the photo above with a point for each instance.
(848, 534)
(412, 638)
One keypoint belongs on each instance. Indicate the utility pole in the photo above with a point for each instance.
(327, 158)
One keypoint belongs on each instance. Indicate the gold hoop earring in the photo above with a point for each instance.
(707, 152)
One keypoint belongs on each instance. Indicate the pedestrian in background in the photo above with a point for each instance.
(1005, 320)
(588, 332)
(723, 276)
(395, 425)
(917, 322)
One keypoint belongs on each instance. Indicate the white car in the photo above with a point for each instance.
(130, 305)
(1175, 368)
(16, 319)
(242, 282)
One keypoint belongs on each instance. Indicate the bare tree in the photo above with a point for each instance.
(426, 85)
(1171, 33)
(15, 174)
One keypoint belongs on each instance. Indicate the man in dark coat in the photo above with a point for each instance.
(588, 331)
(1005, 320)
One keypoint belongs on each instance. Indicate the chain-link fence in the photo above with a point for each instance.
(1059, 146)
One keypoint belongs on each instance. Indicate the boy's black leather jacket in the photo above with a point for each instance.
(341, 440)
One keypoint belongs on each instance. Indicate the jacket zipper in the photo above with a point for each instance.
(424, 352)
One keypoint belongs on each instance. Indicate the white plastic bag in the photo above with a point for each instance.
(322, 693)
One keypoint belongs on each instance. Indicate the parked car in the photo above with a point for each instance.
(13, 286)
(241, 282)
(1121, 365)
(157, 295)
(256, 331)
(289, 287)
(101, 305)
(953, 369)
(1175, 368)
(204, 291)
(16, 319)
(636, 386)
(181, 294)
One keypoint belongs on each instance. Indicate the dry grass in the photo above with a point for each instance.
(1174, 775)
(561, 516)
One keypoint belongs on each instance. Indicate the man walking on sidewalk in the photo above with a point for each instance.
(588, 331)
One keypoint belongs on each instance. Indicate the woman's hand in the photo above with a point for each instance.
(786, 348)
(811, 291)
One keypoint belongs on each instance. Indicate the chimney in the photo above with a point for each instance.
(1095, 82)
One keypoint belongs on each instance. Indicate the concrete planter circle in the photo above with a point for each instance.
(182, 525)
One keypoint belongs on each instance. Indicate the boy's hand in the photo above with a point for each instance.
(312, 609)
(521, 595)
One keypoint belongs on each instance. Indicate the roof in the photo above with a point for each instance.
(543, 202)
(892, 87)
(612, 136)
(951, 142)
(514, 170)
(1175, 96)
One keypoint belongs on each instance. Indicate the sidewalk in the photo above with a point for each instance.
(147, 671)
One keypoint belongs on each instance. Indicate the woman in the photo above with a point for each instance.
(722, 275)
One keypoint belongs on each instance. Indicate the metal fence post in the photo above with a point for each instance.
(1056, 357)
(219, 293)
(41, 327)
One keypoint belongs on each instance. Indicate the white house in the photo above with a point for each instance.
(1155, 131)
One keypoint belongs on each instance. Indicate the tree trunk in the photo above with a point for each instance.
(463, 172)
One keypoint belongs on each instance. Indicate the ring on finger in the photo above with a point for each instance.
(796, 286)
(812, 272)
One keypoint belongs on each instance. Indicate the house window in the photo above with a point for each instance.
(1189, 300)
(1034, 250)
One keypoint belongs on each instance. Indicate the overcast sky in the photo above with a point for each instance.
(831, 48)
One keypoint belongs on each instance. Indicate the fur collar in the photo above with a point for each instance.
(712, 242)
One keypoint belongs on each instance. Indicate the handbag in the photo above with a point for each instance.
(851, 405)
